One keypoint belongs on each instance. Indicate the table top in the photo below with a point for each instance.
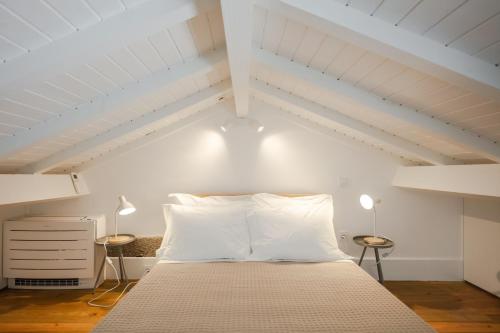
(360, 241)
(119, 240)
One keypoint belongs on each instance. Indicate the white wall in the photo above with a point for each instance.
(285, 158)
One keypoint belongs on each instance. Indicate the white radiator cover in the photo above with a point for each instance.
(47, 252)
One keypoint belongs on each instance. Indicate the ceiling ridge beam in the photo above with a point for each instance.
(418, 52)
(295, 103)
(474, 142)
(107, 104)
(83, 46)
(237, 17)
(200, 100)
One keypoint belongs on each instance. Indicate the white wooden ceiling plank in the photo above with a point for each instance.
(258, 25)
(472, 112)
(57, 93)
(347, 58)
(40, 16)
(93, 78)
(462, 102)
(106, 8)
(274, 29)
(330, 48)
(465, 18)
(387, 70)
(166, 47)
(309, 46)
(366, 6)
(18, 32)
(16, 119)
(200, 30)
(23, 109)
(91, 43)
(108, 69)
(145, 51)
(75, 12)
(292, 37)
(199, 100)
(393, 11)
(405, 80)
(368, 62)
(75, 86)
(428, 13)
(216, 27)
(436, 127)
(181, 35)
(490, 54)
(31, 98)
(128, 63)
(483, 36)
(418, 52)
(272, 94)
(107, 104)
(8, 50)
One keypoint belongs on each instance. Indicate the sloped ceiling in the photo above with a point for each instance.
(79, 79)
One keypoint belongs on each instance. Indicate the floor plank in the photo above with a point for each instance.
(450, 307)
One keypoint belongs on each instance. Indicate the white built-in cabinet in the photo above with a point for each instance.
(482, 243)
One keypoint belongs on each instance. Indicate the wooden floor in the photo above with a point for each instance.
(447, 306)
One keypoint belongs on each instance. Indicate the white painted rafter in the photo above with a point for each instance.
(298, 105)
(106, 104)
(448, 132)
(200, 100)
(84, 46)
(237, 16)
(405, 47)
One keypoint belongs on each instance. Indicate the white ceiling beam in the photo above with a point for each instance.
(173, 128)
(82, 47)
(360, 129)
(107, 104)
(237, 16)
(448, 132)
(397, 44)
(198, 101)
(480, 179)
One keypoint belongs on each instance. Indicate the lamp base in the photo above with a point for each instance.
(374, 240)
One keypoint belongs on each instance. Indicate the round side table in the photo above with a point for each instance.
(118, 242)
(360, 240)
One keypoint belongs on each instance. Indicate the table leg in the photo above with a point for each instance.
(362, 256)
(100, 271)
(379, 267)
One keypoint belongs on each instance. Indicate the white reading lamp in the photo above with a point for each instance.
(124, 208)
(369, 204)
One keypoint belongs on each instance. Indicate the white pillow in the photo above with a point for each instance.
(296, 232)
(193, 200)
(274, 200)
(204, 233)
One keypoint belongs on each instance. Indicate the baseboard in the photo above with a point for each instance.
(417, 269)
(3, 283)
(401, 269)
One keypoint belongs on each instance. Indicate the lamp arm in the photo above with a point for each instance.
(374, 222)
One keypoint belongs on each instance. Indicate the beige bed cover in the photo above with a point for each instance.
(260, 297)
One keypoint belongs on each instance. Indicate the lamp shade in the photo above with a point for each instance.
(366, 201)
(125, 207)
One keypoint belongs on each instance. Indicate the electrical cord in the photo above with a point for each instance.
(118, 283)
(386, 254)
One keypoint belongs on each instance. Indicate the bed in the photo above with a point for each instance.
(254, 292)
